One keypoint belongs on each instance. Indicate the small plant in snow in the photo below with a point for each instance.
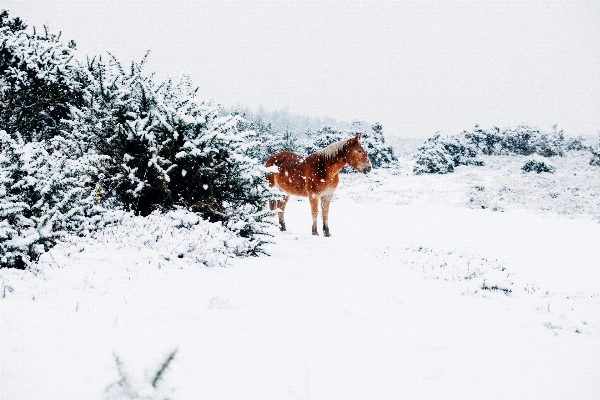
(149, 388)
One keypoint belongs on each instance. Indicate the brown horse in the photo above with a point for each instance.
(315, 176)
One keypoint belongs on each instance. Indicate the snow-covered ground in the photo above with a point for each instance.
(482, 284)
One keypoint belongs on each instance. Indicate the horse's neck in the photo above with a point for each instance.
(335, 166)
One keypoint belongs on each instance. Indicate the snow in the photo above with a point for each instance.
(419, 293)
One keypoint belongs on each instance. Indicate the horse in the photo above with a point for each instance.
(315, 176)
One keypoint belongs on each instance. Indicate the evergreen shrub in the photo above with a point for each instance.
(538, 166)
(442, 154)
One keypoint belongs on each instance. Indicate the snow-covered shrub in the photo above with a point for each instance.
(523, 140)
(538, 166)
(372, 140)
(175, 234)
(574, 144)
(379, 153)
(43, 195)
(166, 148)
(440, 155)
(321, 138)
(271, 141)
(595, 150)
(39, 81)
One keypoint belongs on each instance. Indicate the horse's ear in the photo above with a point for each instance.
(358, 136)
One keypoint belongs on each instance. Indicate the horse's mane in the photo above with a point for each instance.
(333, 150)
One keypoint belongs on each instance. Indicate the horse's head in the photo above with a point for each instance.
(356, 156)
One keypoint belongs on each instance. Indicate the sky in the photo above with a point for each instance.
(415, 67)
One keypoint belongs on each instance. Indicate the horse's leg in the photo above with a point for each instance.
(281, 205)
(314, 208)
(325, 201)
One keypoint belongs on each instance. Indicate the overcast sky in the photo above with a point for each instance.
(416, 67)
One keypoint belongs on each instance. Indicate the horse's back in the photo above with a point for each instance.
(284, 157)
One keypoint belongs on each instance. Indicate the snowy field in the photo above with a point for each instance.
(482, 284)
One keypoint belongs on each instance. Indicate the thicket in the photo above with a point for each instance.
(273, 140)
(442, 154)
(78, 139)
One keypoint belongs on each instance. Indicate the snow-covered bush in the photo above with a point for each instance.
(166, 148)
(39, 81)
(379, 153)
(43, 196)
(595, 150)
(440, 155)
(538, 166)
(574, 144)
(271, 141)
(321, 138)
(372, 140)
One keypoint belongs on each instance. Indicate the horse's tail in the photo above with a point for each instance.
(272, 205)
(271, 177)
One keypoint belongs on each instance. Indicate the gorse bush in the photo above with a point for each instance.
(271, 140)
(42, 197)
(165, 148)
(538, 166)
(80, 138)
(372, 140)
(443, 154)
(440, 155)
(595, 150)
(39, 81)
(45, 191)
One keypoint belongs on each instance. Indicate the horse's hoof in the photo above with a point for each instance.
(327, 234)
(282, 228)
(315, 233)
